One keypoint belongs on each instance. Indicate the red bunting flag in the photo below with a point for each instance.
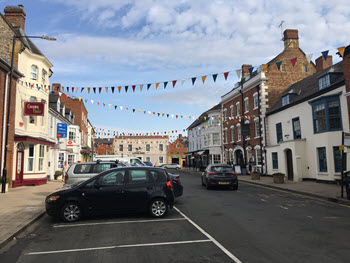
(72, 89)
(133, 88)
(293, 61)
(174, 83)
(98, 103)
(226, 74)
(99, 89)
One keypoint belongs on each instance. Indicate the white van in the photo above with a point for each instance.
(125, 159)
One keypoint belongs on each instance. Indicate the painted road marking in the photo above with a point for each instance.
(228, 253)
(283, 207)
(113, 247)
(263, 200)
(118, 222)
(301, 195)
(331, 217)
(309, 216)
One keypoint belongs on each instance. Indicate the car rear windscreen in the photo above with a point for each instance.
(82, 169)
(221, 169)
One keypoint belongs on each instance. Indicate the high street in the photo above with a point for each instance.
(253, 224)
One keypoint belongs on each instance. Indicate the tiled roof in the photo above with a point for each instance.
(309, 87)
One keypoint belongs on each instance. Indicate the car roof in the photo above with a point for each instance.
(95, 162)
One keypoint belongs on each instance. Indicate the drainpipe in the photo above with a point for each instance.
(265, 144)
(261, 146)
(242, 122)
(4, 123)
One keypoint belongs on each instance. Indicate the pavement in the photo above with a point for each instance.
(253, 224)
(22, 206)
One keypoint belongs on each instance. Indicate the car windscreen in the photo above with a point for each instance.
(221, 169)
(82, 169)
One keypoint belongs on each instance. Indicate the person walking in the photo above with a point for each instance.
(64, 170)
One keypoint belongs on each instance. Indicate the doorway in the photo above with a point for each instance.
(289, 157)
(239, 157)
(175, 160)
(19, 164)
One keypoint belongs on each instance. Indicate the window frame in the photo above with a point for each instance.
(239, 132)
(161, 158)
(32, 158)
(148, 147)
(337, 169)
(231, 111)
(257, 134)
(238, 109)
(274, 158)
(232, 131)
(255, 100)
(294, 132)
(41, 158)
(285, 100)
(246, 105)
(326, 100)
(43, 76)
(34, 73)
(324, 82)
(322, 169)
(279, 125)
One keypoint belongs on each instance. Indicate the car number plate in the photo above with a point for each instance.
(223, 182)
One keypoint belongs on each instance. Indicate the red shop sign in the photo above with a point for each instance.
(69, 143)
(34, 108)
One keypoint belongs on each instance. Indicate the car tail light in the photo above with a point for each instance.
(168, 184)
(177, 180)
(212, 173)
(66, 177)
(233, 173)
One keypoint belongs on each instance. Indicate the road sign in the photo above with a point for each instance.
(61, 130)
(69, 143)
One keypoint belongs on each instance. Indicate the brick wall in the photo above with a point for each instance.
(78, 108)
(6, 35)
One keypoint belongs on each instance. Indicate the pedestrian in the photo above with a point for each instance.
(64, 170)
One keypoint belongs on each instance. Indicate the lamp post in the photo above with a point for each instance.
(4, 171)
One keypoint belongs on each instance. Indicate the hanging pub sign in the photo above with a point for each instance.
(34, 108)
(246, 129)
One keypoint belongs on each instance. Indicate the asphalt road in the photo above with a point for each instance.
(253, 224)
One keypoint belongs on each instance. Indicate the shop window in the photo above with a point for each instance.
(322, 159)
(71, 158)
(41, 157)
(30, 161)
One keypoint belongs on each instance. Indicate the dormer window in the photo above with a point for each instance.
(324, 82)
(285, 100)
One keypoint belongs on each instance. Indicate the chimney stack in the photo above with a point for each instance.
(245, 70)
(56, 87)
(322, 64)
(291, 38)
(15, 15)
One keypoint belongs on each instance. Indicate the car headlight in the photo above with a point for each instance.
(54, 197)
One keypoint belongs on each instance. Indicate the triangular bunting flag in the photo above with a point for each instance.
(193, 80)
(119, 89)
(203, 78)
(67, 88)
(98, 103)
(106, 89)
(341, 51)
(308, 58)
(148, 86)
(89, 90)
(293, 61)
(226, 75)
(157, 84)
(72, 89)
(165, 83)
(115, 107)
(112, 88)
(174, 83)
(133, 110)
(214, 77)
(238, 72)
(109, 105)
(250, 70)
(121, 107)
(60, 93)
(182, 81)
(82, 88)
(141, 86)
(325, 54)
(278, 64)
(264, 67)
(94, 89)
(99, 90)
(133, 88)
(126, 88)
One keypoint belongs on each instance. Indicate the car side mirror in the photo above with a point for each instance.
(97, 185)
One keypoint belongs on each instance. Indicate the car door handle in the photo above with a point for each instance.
(150, 187)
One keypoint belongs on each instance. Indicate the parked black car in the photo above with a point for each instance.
(118, 190)
(219, 175)
(177, 186)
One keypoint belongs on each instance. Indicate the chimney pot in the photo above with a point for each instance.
(15, 15)
(245, 70)
(322, 64)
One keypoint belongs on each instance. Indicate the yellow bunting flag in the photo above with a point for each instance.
(157, 84)
(203, 78)
(341, 51)
(79, 99)
(162, 114)
(119, 88)
(46, 90)
(109, 105)
(205, 118)
(264, 67)
(139, 111)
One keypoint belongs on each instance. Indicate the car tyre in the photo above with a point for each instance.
(207, 185)
(71, 212)
(158, 208)
(202, 181)
(235, 187)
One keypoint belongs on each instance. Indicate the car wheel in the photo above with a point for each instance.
(158, 208)
(71, 212)
(235, 187)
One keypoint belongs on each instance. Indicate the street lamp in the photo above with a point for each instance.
(4, 171)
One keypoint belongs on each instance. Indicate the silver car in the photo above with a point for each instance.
(82, 171)
(172, 166)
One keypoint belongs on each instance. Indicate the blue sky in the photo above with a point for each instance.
(117, 42)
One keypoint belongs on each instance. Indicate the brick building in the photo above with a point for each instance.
(177, 151)
(103, 146)
(245, 106)
(81, 114)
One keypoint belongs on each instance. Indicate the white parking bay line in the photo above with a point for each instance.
(113, 247)
(118, 222)
(228, 253)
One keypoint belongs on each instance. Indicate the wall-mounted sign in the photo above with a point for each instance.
(61, 130)
(69, 143)
(34, 108)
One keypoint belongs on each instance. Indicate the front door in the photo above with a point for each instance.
(19, 167)
(239, 157)
(289, 164)
(107, 195)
